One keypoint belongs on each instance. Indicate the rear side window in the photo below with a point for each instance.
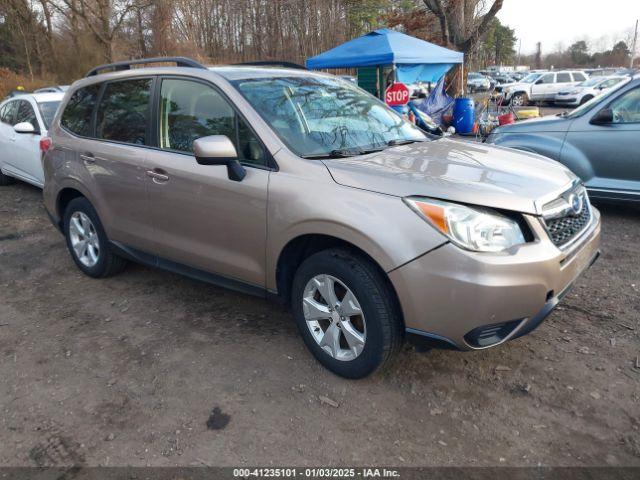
(579, 77)
(77, 114)
(564, 78)
(123, 113)
(26, 114)
(7, 113)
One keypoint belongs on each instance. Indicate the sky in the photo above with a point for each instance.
(555, 22)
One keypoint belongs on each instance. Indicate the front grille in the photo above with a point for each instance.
(562, 230)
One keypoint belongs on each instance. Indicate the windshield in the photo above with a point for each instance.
(48, 111)
(595, 101)
(474, 75)
(591, 82)
(319, 116)
(532, 77)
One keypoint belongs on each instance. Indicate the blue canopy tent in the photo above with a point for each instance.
(413, 59)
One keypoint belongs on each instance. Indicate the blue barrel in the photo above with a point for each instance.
(463, 115)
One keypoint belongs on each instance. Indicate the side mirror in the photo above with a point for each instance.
(539, 82)
(24, 127)
(219, 150)
(603, 117)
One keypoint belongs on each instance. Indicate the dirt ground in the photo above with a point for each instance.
(149, 368)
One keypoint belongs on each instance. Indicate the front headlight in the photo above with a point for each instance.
(476, 229)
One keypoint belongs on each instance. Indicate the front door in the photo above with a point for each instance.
(202, 218)
(26, 146)
(613, 150)
(541, 90)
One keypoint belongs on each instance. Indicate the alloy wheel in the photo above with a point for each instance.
(334, 317)
(84, 239)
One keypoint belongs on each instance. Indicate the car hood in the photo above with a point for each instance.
(465, 172)
(550, 123)
(514, 84)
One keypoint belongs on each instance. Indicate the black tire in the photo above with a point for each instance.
(585, 99)
(6, 180)
(108, 263)
(522, 99)
(384, 332)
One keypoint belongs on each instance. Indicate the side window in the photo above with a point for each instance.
(564, 78)
(626, 109)
(579, 77)
(609, 83)
(548, 78)
(7, 113)
(77, 114)
(123, 113)
(26, 114)
(191, 110)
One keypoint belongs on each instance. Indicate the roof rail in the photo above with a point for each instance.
(273, 63)
(126, 64)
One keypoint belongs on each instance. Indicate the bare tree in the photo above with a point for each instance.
(463, 22)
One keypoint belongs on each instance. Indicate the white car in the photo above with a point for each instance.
(585, 91)
(24, 121)
(540, 87)
(477, 82)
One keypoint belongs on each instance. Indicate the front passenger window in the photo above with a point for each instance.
(626, 109)
(191, 110)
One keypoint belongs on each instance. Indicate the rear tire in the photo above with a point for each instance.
(365, 340)
(87, 241)
(6, 180)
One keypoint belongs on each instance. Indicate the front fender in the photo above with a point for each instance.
(548, 145)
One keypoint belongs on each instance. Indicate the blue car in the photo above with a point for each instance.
(599, 141)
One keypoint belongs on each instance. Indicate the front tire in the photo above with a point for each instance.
(585, 99)
(87, 241)
(346, 312)
(519, 99)
(6, 180)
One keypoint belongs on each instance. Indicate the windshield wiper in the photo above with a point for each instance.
(395, 143)
(345, 153)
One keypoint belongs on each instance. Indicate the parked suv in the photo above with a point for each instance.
(282, 182)
(540, 87)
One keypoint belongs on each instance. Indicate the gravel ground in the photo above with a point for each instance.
(149, 368)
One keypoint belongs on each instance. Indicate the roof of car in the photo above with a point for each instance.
(42, 97)
(238, 72)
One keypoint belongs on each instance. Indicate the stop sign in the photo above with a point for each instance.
(397, 94)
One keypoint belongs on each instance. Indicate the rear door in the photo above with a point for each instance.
(612, 150)
(563, 80)
(112, 152)
(201, 217)
(26, 146)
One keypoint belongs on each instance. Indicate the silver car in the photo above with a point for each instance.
(301, 186)
(599, 141)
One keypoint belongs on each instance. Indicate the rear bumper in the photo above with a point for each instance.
(453, 298)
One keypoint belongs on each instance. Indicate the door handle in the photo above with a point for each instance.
(158, 175)
(88, 159)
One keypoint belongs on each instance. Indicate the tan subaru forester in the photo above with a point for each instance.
(278, 181)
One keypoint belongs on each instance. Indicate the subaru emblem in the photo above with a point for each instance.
(576, 204)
